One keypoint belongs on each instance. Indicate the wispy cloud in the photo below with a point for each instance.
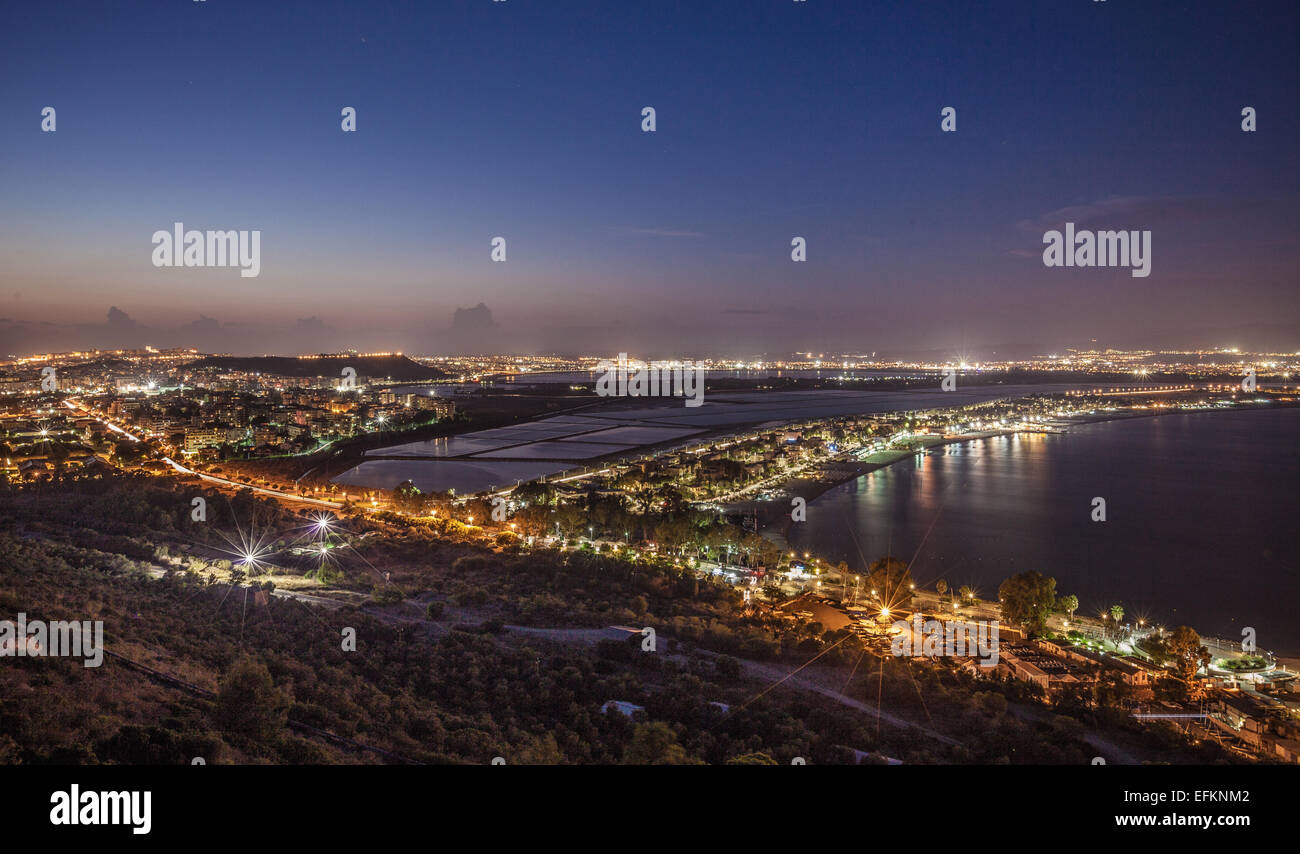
(1134, 212)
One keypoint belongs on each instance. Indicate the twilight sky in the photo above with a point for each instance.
(774, 119)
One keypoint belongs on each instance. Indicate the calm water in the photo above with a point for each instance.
(1203, 518)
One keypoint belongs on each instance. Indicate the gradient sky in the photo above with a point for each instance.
(775, 119)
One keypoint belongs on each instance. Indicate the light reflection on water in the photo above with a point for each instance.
(1201, 518)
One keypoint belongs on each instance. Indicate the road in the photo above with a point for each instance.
(811, 682)
(234, 484)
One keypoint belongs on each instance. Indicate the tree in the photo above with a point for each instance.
(1183, 646)
(941, 587)
(1069, 604)
(534, 492)
(890, 579)
(407, 497)
(540, 750)
(1111, 689)
(655, 743)
(643, 498)
(673, 499)
(1117, 613)
(1027, 599)
(249, 704)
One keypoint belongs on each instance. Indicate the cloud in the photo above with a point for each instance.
(473, 320)
(1129, 213)
(203, 324)
(1141, 212)
(472, 330)
(118, 319)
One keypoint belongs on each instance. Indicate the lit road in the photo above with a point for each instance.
(73, 403)
(211, 478)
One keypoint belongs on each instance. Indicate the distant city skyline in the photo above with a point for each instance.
(819, 120)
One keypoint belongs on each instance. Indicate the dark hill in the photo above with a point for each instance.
(378, 367)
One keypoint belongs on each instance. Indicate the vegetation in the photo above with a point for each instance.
(440, 671)
(1027, 599)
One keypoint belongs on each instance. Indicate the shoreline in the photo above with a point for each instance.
(776, 523)
(773, 513)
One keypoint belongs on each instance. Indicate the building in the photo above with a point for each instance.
(197, 438)
(1135, 672)
(441, 407)
(1260, 723)
(1029, 663)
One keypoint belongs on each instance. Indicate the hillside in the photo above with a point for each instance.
(395, 367)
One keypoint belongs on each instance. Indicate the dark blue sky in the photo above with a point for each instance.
(775, 119)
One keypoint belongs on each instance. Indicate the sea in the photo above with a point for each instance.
(1202, 518)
